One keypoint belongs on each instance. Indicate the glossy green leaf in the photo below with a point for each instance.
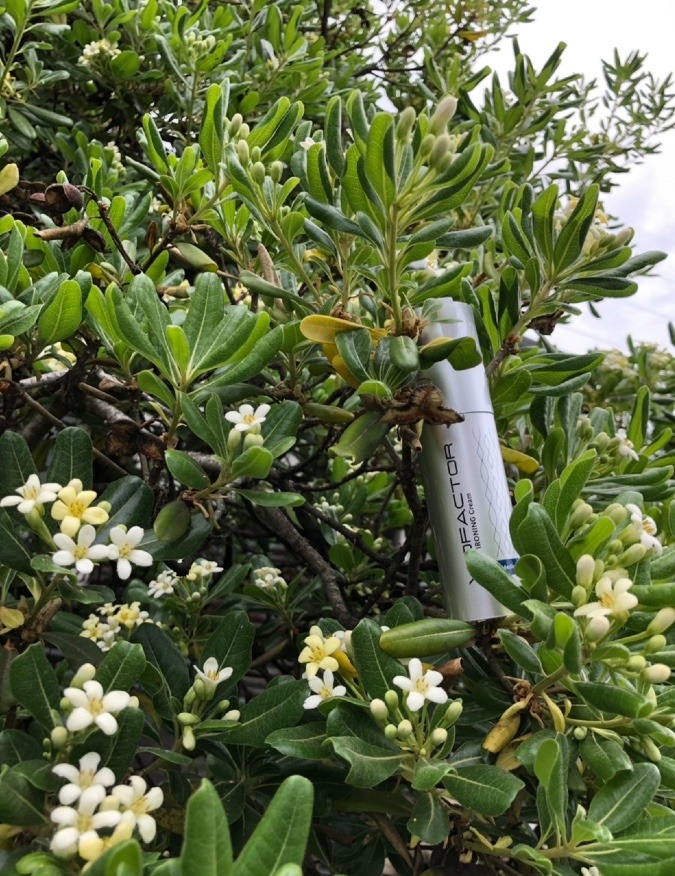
(62, 316)
(207, 849)
(35, 686)
(483, 788)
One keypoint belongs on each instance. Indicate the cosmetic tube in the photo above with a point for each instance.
(465, 483)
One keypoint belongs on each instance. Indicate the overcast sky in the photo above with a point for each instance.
(645, 198)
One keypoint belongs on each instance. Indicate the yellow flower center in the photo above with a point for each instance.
(84, 822)
(126, 550)
(318, 653)
(80, 551)
(421, 686)
(86, 778)
(249, 419)
(325, 693)
(96, 707)
(31, 492)
(76, 509)
(212, 674)
(140, 806)
(607, 600)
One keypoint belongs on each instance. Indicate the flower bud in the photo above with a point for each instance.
(632, 555)
(199, 688)
(234, 440)
(578, 596)
(256, 153)
(251, 439)
(656, 643)
(615, 511)
(636, 663)
(276, 170)
(657, 673)
(650, 749)
(391, 699)
(134, 702)
(65, 706)
(188, 740)
(585, 571)
(440, 150)
(390, 731)
(235, 124)
(442, 115)
(438, 737)
(232, 715)
(405, 123)
(189, 698)
(187, 718)
(243, 152)
(427, 144)
(580, 516)
(596, 628)
(86, 672)
(379, 710)
(662, 620)
(624, 236)
(580, 733)
(58, 738)
(258, 172)
(404, 729)
(244, 131)
(452, 713)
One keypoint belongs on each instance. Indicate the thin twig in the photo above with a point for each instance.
(110, 228)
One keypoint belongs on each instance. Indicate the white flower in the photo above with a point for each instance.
(203, 568)
(32, 495)
(625, 445)
(82, 553)
(83, 782)
(323, 689)
(98, 48)
(72, 508)
(613, 599)
(92, 706)
(246, 418)
(75, 823)
(162, 585)
(211, 675)
(318, 652)
(136, 801)
(124, 550)
(268, 578)
(91, 846)
(590, 871)
(129, 615)
(345, 639)
(421, 685)
(646, 527)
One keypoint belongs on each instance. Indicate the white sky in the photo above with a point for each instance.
(645, 198)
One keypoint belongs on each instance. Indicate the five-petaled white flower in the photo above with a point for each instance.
(32, 495)
(136, 801)
(76, 824)
(646, 528)
(72, 508)
(246, 418)
(83, 553)
(163, 584)
(92, 706)
(203, 568)
(318, 652)
(84, 782)
(124, 549)
(211, 675)
(421, 685)
(613, 599)
(323, 689)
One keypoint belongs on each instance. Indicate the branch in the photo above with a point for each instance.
(110, 228)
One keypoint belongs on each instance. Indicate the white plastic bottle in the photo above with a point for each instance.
(465, 482)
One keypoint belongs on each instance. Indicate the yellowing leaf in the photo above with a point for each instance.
(322, 329)
(9, 178)
(11, 618)
(522, 461)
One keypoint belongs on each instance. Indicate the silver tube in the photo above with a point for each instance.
(465, 483)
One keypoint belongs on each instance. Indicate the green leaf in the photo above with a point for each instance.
(379, 160)
(369, 764)
(73, 458)
(484, 788)
(124, 744)
(13, 552)
(571, 239)
(375, 669)
(35, 686)
(230, 643)
(497, 581)
(160, 650)
(521, 652)
(207, 850)
(604, 756)
(429, 820)
(281, 423)
(273, 500)
(543, 210)
(122, 667)
(16, 462)
(426, 637)
(131, 502)
(333, 135)
(354, 347)
(20, 802)
(614, 700)
(278, 706)
(281, 835)
(62, 316)
(305, 741)
(124, 859)
(252, 463)
(186, 470)
(625, 796)
(550, 768)
(537, 535)
(172, 522)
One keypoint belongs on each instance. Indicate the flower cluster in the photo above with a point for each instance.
(87, 809)
(113, 622)
(330, 654)
(187, 588)
(98, 50)
(246, 421)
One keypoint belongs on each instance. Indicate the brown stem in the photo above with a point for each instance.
(389, 832)
(110, 228)
(508, 348)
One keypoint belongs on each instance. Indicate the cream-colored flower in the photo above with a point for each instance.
(268, 578)
(83, 553)
(246, 418)
(85, 781)
(202, 569)
(613, 599)
(32, 495)
(318, 651)
(625, 447)
(130, 615)
(323, 689)
(72, 508)
(136, 802)
(91, 846)
(421, 685)
(211, 675)
(646, 527)
(163, 584)
(124, 549)
(76, 823)
(92, 706)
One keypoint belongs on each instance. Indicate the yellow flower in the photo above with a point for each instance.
(318, 652)
(72, 508)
